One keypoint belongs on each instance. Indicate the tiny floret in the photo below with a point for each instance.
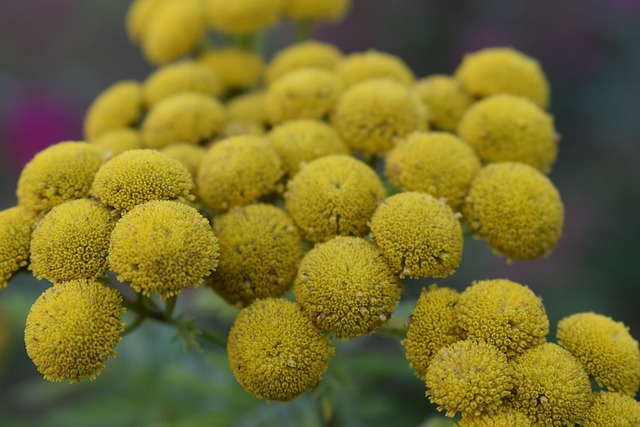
(372, 64)
(302, 55)
(506, 417)
(118, 141)
(119, 105)
(15, 238)
(612, 410)
(445, 100)
(188, 154)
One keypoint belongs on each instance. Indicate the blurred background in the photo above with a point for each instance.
(59, 54)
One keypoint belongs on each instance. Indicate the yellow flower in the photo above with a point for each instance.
(179, 77)
(505, 418)
(71, 241)
(137, 17)
(119, 105)
(15, 238)
(612, 410)
(239, 128)
(249, 107)
(437, 163)
(60, 172)
(503, 313)
(243, 17)
(472, 377)
(163, 247)
(237, 171)
(317, 10)
(550, 386)
(346, 287)
(418, 234)
(372, 115)
(188, 154)
(510, 128)
(332, 196)
(72, 328)
(302, 141)
(275, 352)
(432, 325)
(516, 209)
(236, 68)
(372, 64)
(445, 100)
(306, 93)
(118, 141)
(605, 348)
(302, 55)
(137, 176)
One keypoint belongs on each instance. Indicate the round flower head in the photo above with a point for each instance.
(372, 64)
(550, 386)
(372, 115)
(445, 100)
(58, 173)
(137, 176)
(71, 241)
(236, 68)
(505, 418)
(516, 209)
(173, 30)
(188, 154)
(503, 70)
(612, 410)
(332, 196)
(15, 240)
(437, 163)
(317, 10)
(346, 287)
(418, 234)
(243, 17)
(237, 171)
(432, 325)
(137, 17)
(510, 128)
(307, 93)
(184, 117)
(248, 108)
(605, 348)
(118, 141)
(239, 128)
(119, 105)
(275, 352)
(469, 376)
(503, 313)
(302, 141)
(72, 328)
(306, 54)
(163, 247)
(179, 77)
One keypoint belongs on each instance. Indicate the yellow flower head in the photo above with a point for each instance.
(72, 328)
(163, 247)
(469, 376)
(503, 70)
(333, 196)
(137, 176)
(71, 241)
(306, 93)
(243, 17)
(118, 141)
(306, 54)
(503, 313)
(372, 64)
(302, 141)
(432, 325)
(60, 172)
(237, 171)
(612, 410)
(183, 117)
(15, 240)
(510, 128)
(437, 163)
(516, 209)
(445, 100)
(236, 68)
(248, 108)
(137, 17)
(275, 352)
(188, 154)
(372, 115)
(505, 418)
(605, 348)
(418, 234)
(550, 386)
(240, 128)
(317, 10)
(346, 287)
(119, 105)
(179, 77)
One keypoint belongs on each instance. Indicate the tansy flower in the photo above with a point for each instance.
(163, 247)
(432, 325)
(510, 128)
(15, 238)
(236, 68)
(551, 386)
(239, 128)
(612, 410)
(504, 418)
(373, 115)
(60, 172)
(445, 100)
(346, 287)
(275, 352)
(137, 176)
(372, 64)
(418, 234)
(188, 154)
(179, 77)
(119, 105)
(71, 241)
(605, 348)
(470, 377)
(317, 10)
(437, 163)
(248, 107)
(137, 17)
(503, 313)
(516, 209)
(242, 17)
(72, 328)
(118, 141)
(306, 54)
(332, 196)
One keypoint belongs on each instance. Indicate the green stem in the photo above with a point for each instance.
(214, 338)
(393, 329)
(133, 326)
(170, 306)
(303, 31)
